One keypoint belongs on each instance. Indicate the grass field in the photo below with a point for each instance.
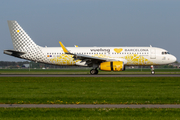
(86, 71)
(88, 114)
(83, 90)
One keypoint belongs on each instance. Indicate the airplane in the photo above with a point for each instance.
(102, 58)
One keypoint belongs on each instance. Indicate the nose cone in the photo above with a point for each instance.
(173, 58)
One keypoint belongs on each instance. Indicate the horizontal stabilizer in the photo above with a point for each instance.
(14, 53)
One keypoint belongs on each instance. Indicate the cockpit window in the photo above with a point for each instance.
(165, 53)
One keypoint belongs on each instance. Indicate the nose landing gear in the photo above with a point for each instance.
(152, 70)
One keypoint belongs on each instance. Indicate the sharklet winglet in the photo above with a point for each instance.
(64, 48)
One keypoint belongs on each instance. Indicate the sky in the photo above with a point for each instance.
(88, 23)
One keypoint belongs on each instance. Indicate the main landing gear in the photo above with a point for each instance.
(94, 71)
(152, 70)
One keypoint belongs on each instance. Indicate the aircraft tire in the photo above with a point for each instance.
(93, 71)
(96, 71)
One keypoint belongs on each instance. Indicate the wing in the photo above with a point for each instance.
(87, 58)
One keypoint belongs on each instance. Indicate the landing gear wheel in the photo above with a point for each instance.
(93, 71)
(96, 71)
(152, 72)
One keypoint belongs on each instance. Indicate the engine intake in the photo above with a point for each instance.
(112, 66)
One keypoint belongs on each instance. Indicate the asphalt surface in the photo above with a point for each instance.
(70, 75)
(86, 106)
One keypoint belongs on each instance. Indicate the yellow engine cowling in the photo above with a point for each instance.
(112, 66)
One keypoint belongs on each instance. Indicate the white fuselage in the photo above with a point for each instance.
(129, 55)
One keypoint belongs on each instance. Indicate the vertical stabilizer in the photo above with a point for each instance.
(23, 43)
(21, 40)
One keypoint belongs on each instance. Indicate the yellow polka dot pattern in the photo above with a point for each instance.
(64, 60)
(134, 59)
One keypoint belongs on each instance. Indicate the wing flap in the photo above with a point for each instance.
(82, 57)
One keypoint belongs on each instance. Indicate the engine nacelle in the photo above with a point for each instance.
(112, 66)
